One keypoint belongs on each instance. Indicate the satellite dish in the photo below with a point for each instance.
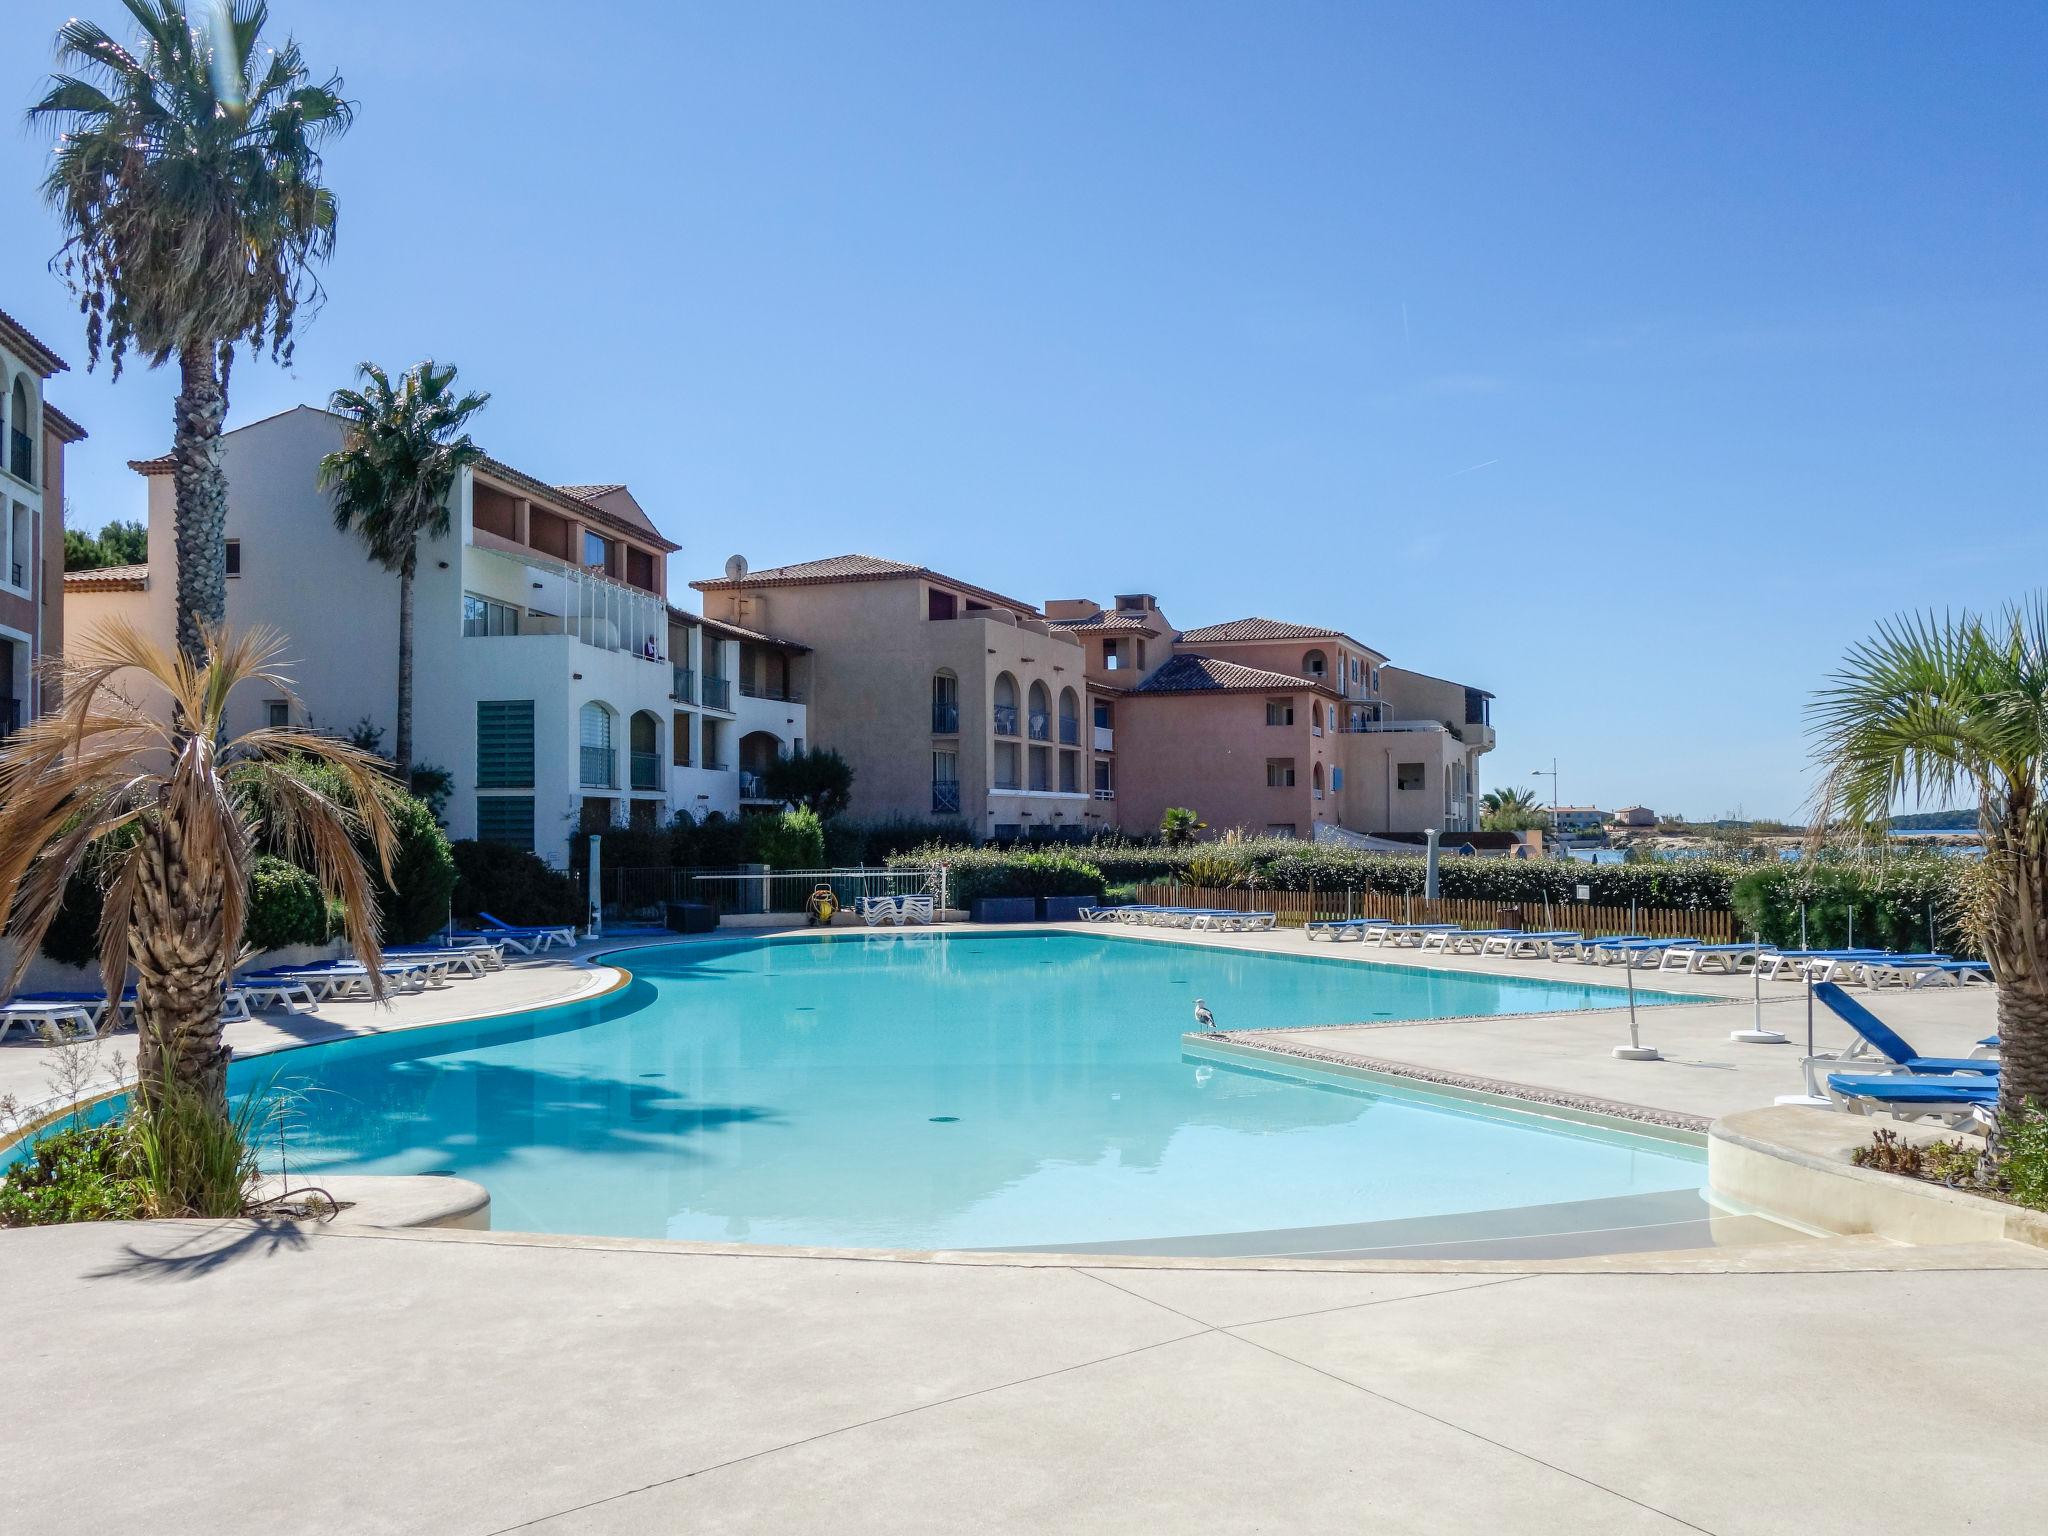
(736, 567)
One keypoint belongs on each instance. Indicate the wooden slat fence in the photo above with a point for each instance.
(1293, 908)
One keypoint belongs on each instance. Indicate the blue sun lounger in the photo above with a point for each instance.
(1337, 928)
(1955, 1101)
(1728, 958)
(1874, 1034)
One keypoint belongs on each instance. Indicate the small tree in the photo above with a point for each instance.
(1178, 826)
(819, 780)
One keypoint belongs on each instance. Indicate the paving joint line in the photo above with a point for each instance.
(1231, 1331)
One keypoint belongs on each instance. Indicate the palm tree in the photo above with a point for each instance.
(1933, 706)
(172, 810)
(187, 175)
(391, 478)
(1511, 799)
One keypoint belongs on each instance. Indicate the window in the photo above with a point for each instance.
(277, 714)
(1315, 718)
(1104, 784)
(1006, 705)
(713, 729)
(945, 704)
(1112, 657)
(1280, 829)
(505, 819)
(1408, 776)
(1279, 773)
(1008, 831)
(1041, 768)
(234, 557)
(940, 605)
(1070, 773)
(1006, 766)
(597, 551)
(1315, 664)
(1039, 723)
(504, 744)
(21, 443)
(1315, 779)
(679, 733)
(1279, 711)
(594, 737)
(485, 616)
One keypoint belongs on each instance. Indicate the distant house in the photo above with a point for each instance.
(1578, 818)
(1635, 816)
(33, 437)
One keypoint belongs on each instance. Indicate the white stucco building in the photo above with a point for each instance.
(551, 678)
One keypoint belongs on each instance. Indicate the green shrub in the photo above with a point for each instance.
(78, 1173)
(974, 873)
(625, 848)
(285, 906)
(717, 841)
(1903, 903)
(512, 884)
(415, 904)
(792, 840)
(851, 844)
(2023, 1156)
(74, 933)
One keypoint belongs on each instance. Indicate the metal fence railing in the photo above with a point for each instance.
(642, 894)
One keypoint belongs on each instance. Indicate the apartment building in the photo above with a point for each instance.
(948, 699)
(32, 448)
(544, 675)
(738, 703)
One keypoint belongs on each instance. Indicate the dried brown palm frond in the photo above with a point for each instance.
(136, 768)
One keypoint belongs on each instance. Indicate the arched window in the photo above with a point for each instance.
(21, 447)
(1316, 779)
(644, 734)
(945, 704)
(1041, 713)
(1315, 664)
(1006, 705)
(1070, 718)
(600, 768)
(1315, 715)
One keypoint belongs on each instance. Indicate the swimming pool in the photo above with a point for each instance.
(938, 1091)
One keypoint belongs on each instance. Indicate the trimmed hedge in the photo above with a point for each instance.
(512, 884)
(285, 906)
(974, 873)
(1904, 903)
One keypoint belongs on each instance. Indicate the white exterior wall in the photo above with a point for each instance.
(339, 614)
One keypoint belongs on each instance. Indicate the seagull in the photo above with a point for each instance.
(1203, 1016)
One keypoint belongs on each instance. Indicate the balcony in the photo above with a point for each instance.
(1105, 738)
(1041, 726)
(684, 689)
(600, 768)
(717, 692)
(945, 719)
(1070, 731)
(752, 787)
(21, 457)
(779, 692)
(1006, 722)
(646, 768)
(551, 598)
(945, 797)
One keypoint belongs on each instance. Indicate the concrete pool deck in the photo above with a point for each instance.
(482, 1382)
(465, 1384)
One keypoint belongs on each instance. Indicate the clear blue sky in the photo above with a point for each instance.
(1627, 360)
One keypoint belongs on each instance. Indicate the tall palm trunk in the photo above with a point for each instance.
(196, 419)
(403, 751)
(181, 955)
(2017, 946)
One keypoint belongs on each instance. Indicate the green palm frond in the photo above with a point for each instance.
(403, 451)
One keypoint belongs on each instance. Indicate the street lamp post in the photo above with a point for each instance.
(1550, 774)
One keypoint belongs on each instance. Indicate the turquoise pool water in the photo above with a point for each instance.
(928, 1091)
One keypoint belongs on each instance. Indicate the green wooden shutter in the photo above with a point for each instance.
(504, 743)
(505, 819)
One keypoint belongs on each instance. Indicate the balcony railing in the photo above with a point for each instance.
(1006, 722)
(1105, 794)
(1041, 725)
(1105, 739)
(646, 770)
(717, 692)
(713, 765)
(21, 457)
(946, 796)
(558, 599)
(600, 768)
(18, 573)
(752, 787)
(684, 689)
(945, 719)
(774, 691)
(1070, 731)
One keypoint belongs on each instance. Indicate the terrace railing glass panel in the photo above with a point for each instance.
(600, 768)
(1070, 731)
(21, 455)
(684, 689)
(717, 692)
(646, 770)
(945, 719)
(560, 599)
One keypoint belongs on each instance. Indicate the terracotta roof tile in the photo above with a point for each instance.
(21, 339)
(1205, 674)
(1257, 629)
(108, 578)
(839, 568)
(67, 430)
(590, 492)
(1102, 624)
(735, 630)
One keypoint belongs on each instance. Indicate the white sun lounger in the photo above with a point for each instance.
(75, 1018)
(1518, 945)
(914, 909)
(1337, 928)
(1701, 958)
